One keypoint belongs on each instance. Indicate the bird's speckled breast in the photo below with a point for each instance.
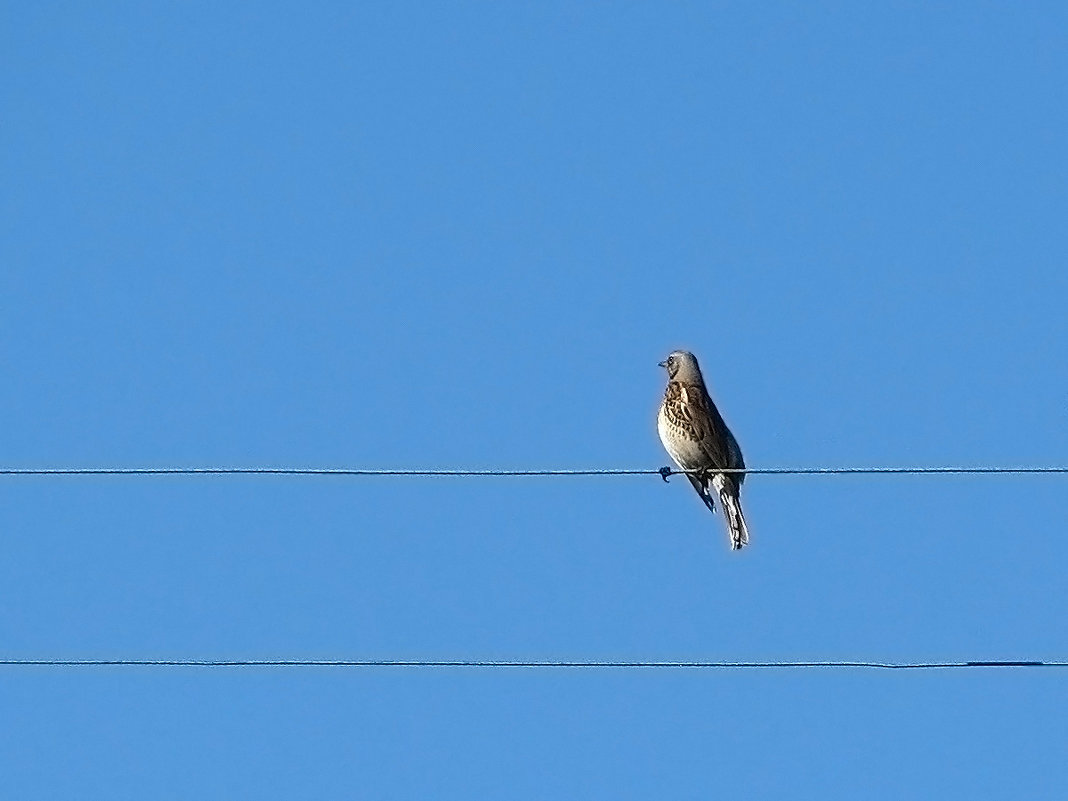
(679, 444)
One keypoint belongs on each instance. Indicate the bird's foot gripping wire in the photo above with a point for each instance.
(665, 472)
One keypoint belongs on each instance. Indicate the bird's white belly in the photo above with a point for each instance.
(683, 451)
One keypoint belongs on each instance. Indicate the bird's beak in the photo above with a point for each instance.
(662, 364)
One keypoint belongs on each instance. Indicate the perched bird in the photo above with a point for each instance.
(697, 439)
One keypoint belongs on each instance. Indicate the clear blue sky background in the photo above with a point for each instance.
(462, 235)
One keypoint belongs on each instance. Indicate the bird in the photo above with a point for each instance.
(696, 437)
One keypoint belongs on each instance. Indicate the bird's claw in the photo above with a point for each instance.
(664, 473)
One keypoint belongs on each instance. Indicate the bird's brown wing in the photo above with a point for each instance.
(693, 415)
(721, 445)
(703, 421)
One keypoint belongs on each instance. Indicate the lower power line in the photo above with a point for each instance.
(532, 664)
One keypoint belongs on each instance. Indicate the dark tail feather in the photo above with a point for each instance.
(703, 491)
(732, 511)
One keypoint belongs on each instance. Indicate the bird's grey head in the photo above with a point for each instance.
(681, 365)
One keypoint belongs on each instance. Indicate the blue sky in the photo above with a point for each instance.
(463, 235)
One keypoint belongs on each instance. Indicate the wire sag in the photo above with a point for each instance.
(532, 664)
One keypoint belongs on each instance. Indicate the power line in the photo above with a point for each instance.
(476, 473)
(531, 664)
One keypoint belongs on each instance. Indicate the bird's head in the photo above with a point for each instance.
(682, 365)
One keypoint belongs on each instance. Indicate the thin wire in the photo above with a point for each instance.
(538, 663)
(343, 471)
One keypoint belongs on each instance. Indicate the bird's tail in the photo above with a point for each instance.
(732, 511)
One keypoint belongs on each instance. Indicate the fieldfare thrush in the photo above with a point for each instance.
(699, 442)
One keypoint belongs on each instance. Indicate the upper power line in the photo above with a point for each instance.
(485, 473)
